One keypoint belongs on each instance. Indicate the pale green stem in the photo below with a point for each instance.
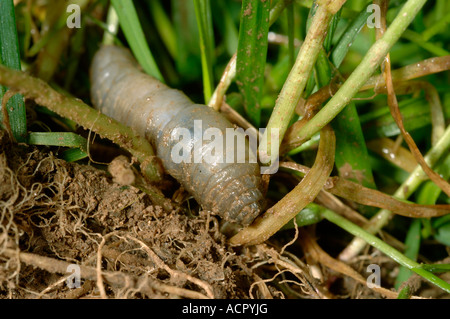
(362, 73)
(296, 82)
(112, 22)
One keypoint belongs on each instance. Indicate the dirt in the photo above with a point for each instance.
(60, 210)
(55, 215)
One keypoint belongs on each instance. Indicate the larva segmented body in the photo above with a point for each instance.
(121, 91)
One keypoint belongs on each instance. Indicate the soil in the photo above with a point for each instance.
(60, 210)
(55, 215)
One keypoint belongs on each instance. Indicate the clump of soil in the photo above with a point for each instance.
(57, 214)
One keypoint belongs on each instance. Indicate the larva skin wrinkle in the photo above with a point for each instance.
(120, 90)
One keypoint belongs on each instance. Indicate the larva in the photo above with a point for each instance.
(120, 90)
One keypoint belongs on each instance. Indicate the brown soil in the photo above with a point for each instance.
(54, 211)
(55, 214)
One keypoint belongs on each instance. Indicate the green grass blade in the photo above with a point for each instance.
(436, 267)
(331, 31)
(429, 192)
(429, 46)
(322, 70)
(387, 172)
(251, 55)
(206, 33)
(405, 293)
(314, 141)
(345, 41)
(73, 155)
(129, 22)
(67, 139)
(309, 215)
(164, 26)
(226, 25)
(77, 143)
(352, 157)
(350, 143)
(10, 57)
(379, 123)
(438, 27)
(187, 60)
(412, 243)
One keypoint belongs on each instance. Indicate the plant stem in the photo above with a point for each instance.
(112, 22)
(304, 193)
(365, 69)
(296, 81)
(89, 118)
(385, 248)
(403, 192)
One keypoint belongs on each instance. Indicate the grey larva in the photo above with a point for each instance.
(121, 91)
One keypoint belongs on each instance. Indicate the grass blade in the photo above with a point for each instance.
(436, 267)
(378, 123)
(205, 28)
(67, 139)
(351, 148)
(187, 60)
(164, 26)
(251, 55)
(352, 157)
(77, 143)
(226, 25)
(10, 57)
(309, 215)
(129, 22)
(412, 243)
(73, 155)
(340, 50)
(111, 27)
